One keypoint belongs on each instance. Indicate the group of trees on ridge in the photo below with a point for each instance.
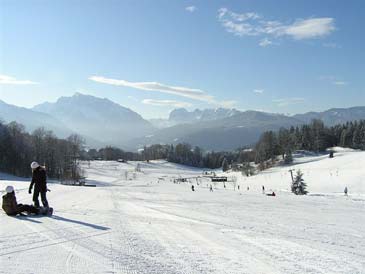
(18, 148)
(180, 153)
(315, 137)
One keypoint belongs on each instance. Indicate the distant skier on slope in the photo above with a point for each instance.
(39, 180)
(345, 191)
(192, 188)
(211, 188)
(271, 194)
(263, 189)
(12, 208)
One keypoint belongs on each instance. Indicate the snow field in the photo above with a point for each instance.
(151, 225)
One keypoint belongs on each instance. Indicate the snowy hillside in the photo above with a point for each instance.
(141, 222)
(322, 174)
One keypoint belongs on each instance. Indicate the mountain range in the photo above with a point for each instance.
(182, 116)
(33, 119)
(99, 118)
(240, 129)
(334, 116)
(102, 122)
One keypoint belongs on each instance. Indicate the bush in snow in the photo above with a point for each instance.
(288, 159)
(298, 186)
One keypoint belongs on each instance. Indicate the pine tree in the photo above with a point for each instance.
(298, 186)
(225, 165)
(247, 169)
(357, 138)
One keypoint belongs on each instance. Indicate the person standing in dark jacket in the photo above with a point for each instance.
(12, 208)
(39, 180)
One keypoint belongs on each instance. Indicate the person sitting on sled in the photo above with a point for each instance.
(12, 208)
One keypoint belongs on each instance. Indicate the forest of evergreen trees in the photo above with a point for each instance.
(315, 137)
(19, 148)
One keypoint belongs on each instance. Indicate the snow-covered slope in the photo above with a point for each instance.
(141, 222)
(321, 173)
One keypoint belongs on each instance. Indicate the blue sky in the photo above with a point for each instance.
(153, 56)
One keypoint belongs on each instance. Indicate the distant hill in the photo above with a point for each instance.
(100, 118)
(334, 116)
(183, 116)
(243, 128)
(32, 119)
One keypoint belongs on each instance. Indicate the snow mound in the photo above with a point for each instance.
(341, 149)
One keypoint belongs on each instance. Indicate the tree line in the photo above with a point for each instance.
(180, 153)
(19, 148)
(109, 153)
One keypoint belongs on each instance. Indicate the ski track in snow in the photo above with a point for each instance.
(142, 226)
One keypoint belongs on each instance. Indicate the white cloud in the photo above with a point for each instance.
(191, 93)
(166, 103)
(288, 101)
(252, 24)
(310, 28)
(237, 16)
(240, 17)
(222, 12)
(191, 8)
(259, 91)
(8, 80)
(340, 83)
(265, 42)
(240, 29)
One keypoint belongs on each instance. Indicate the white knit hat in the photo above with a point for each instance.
(9, 189)
(34, 165)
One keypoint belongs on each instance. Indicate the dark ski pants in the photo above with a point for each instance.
(43, 198)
